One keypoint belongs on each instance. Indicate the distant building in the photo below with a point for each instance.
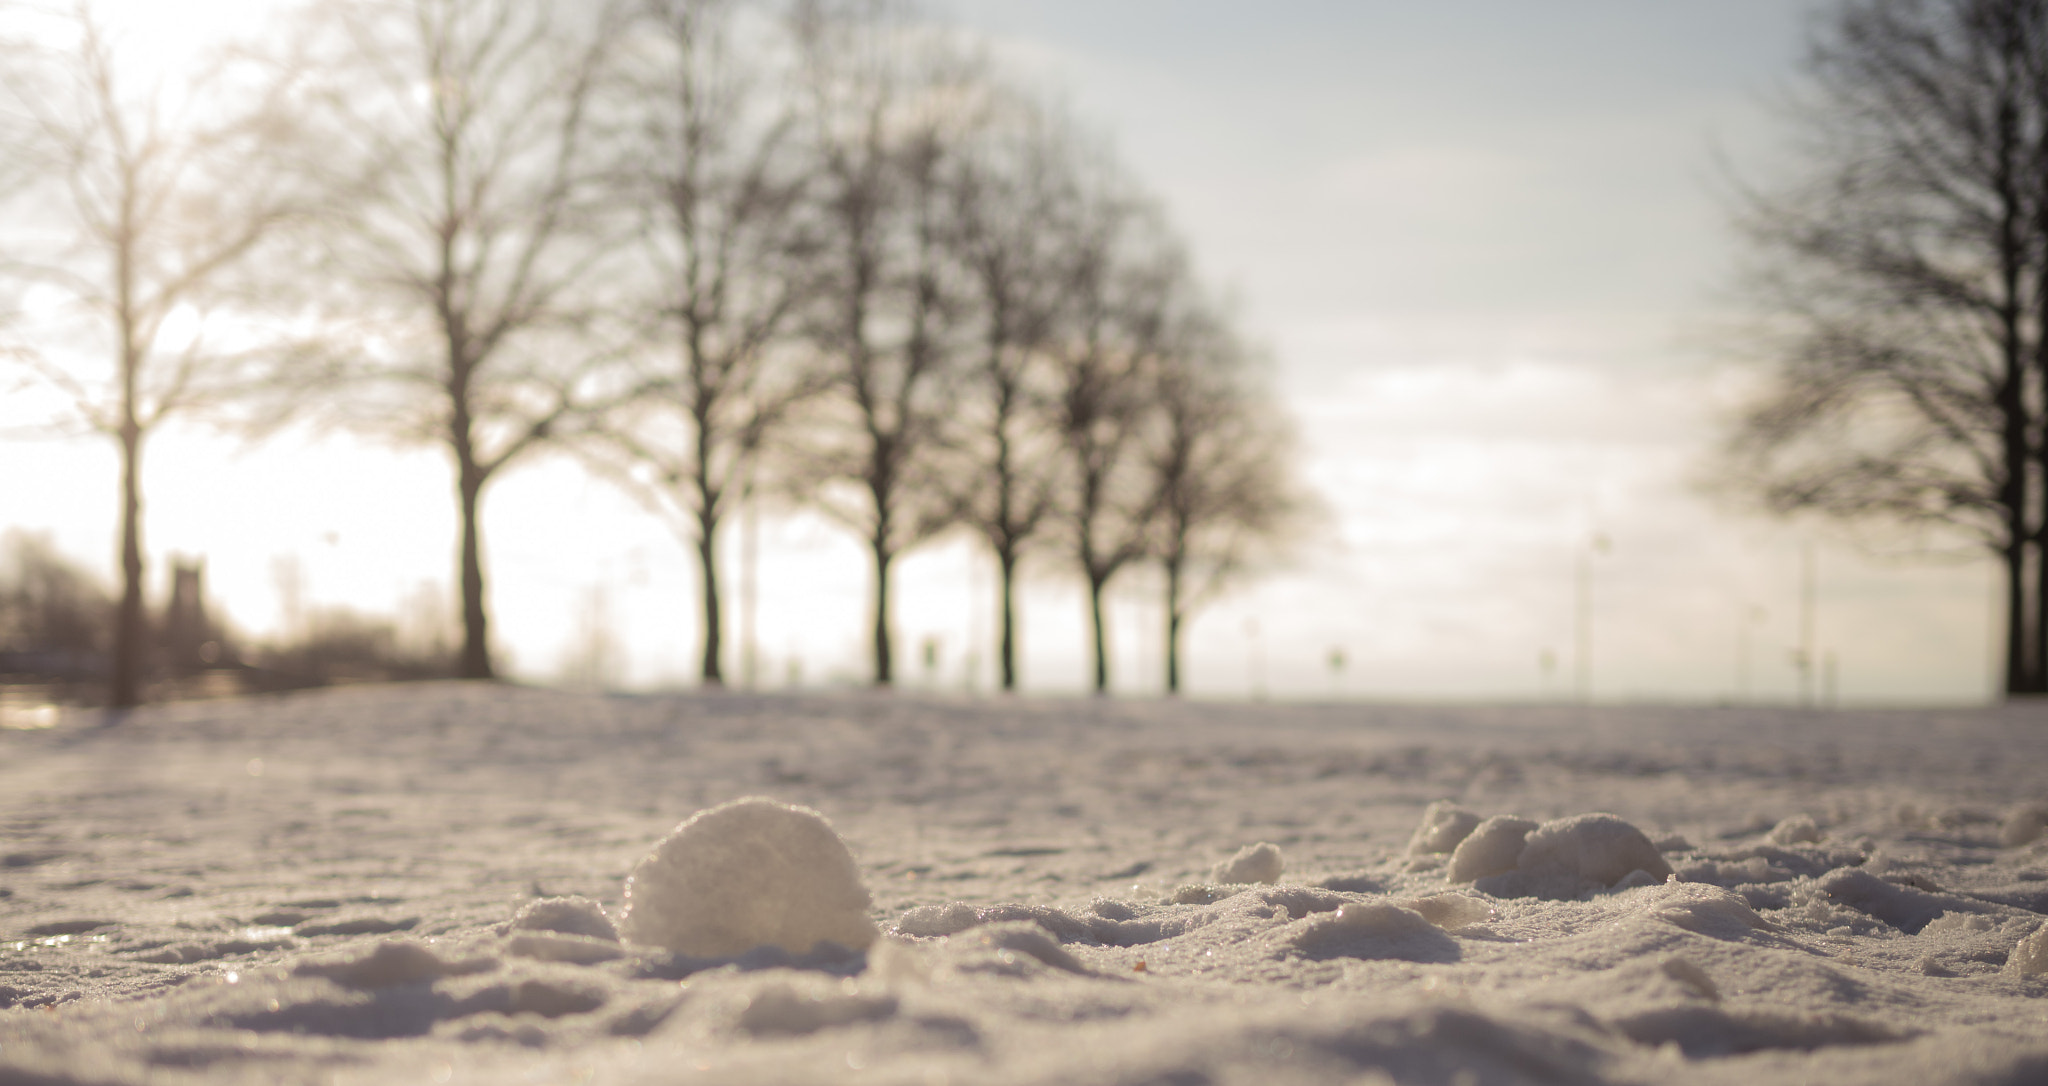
(191, 643)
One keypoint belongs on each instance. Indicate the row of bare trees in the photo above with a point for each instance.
(1908, 268)
(714, 247)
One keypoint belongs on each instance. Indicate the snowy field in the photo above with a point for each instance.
(353, 886)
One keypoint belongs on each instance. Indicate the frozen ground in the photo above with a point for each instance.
(322, 889)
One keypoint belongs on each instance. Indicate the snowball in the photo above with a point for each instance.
(2023, 825)
(568, 915)
(746, 874)
(1253, 863)
(1797, 830)
(1444, 824)
(2029, 957)
(1491, 848)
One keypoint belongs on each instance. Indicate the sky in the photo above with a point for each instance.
(1487, 248)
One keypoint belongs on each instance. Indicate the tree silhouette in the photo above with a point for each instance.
(1909, 274)
(151, 202)
(1219, 455)
(460, 240)
(1123, 276)
(708, 162)
(1012, 180)
(885, 103)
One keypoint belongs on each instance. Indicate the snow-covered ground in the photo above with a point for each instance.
(341, 887)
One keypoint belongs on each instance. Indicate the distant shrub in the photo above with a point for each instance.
(54, 617)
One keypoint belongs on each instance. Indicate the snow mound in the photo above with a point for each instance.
(1707, 910)
(1008, 938)
(1452, 911)
(746, 874)
(1371, 930)
(952, 918)
(391, 962)
(568, 916)
(933, 921)
(1797, 830)
(1907, 908)
(802, 1006)
(1702, 1032)
(1493, 848)
(2029, 957)
(1260, 863)
(1571, 857)
(557, 947)
(1444, 824)
(2023, 825)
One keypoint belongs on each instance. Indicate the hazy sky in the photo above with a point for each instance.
(1483, 244)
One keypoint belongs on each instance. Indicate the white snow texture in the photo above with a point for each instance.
(453, 883)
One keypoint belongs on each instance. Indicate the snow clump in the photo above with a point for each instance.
(1375, 929)
(1492, 849)
(568, 916)
(1444, 824)
(1571, 857)
(2023, 825)
(2029, 957)
(1797, 830)
(1259, 863)
(750, 873)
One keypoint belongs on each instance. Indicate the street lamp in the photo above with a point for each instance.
(1751, 615)
(1582, 656)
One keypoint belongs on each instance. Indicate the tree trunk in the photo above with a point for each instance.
(707, 565)
(1173, 620)
(476, 652)
(1095, 584)
(1007, 560)
(130, 623)
(883, 673)
(2018, 672)
(2022, 676)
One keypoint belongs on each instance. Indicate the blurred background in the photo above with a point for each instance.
(1479, 255)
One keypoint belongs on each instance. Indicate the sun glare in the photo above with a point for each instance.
(157, 40)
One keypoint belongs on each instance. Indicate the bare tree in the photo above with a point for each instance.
(154, 200)
(710, 166)
(1122, 276)
(461, 235)
(885, 102)
(1908, 274)
(1008, 187)
(1221, 469)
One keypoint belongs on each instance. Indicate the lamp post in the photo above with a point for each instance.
(1803, 656)
(1255, 659)
(1750, 615)
(1582, 627)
